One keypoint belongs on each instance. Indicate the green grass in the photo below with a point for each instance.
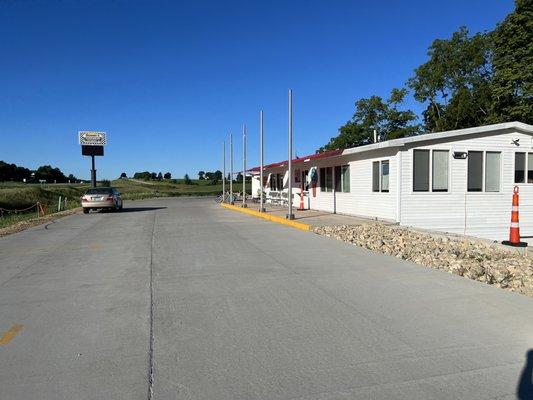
(16, 196)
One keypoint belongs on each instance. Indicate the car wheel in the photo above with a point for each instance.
(86, 211)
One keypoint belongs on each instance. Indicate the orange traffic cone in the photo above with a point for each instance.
(514, 232)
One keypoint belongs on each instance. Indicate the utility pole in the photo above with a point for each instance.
(231, 168)
(290, 215)
(261, 204)
(244, 166)
(224, 171)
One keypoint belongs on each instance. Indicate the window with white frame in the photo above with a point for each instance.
(430, 170)
(326, 179)
(342, 178)
(380, 176)
(523, 167)
(484, 171)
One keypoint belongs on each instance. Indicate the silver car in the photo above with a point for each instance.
(101, 198)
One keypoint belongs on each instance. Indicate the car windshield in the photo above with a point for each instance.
(100, 191)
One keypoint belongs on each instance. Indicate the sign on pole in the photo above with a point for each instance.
(92, 144)
(91, 138)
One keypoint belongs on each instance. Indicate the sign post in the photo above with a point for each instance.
(92, 144)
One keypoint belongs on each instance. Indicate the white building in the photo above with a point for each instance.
(457, 181)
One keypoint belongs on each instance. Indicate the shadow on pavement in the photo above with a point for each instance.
(524, 391)
(140, 209)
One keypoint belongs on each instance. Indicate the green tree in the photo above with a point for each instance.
(123, 175)
(455, 83)
(50, 174)
(374, 113)
(142, 175)
(201, 174)
(512, 86)
(167, 175)
(12, 172)
(187, 180)
(160, 176)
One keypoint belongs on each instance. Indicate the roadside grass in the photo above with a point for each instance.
(18, 196)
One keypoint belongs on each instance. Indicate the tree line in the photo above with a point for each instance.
(148, 176)
(468, 80)
(15, 173)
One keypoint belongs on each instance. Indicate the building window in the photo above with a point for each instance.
(484, 171)
(421, 170)
(434, 175)
(529, 167)
(380, 176)
(384, 176)
(475, 171)
(345, 174)
(520, 167)
(297, 176)
(375, 176)
(492, 171)
(440, 171)
(523, 168)
(326, 179)
(342, 178)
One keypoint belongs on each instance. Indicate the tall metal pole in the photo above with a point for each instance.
(93, 173)
(290, 215)
(224, 171)
(244, 166)
(231, 168)
(261, 204)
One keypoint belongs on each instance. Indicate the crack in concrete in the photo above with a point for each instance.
(151, 345)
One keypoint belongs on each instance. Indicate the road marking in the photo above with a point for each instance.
(10, 334)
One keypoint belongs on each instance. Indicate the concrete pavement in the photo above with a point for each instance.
(180, 299)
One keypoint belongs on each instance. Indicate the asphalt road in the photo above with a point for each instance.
(180, 299)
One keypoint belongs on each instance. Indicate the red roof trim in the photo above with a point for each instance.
(325, 154)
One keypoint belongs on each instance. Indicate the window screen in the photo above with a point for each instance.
(530, 168)
(420, 170)
(345, 170)
(492, 171)
(440, 170)
(375, 176)
(475, 171)
(384, 176)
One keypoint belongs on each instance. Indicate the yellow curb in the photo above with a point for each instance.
(268, 217)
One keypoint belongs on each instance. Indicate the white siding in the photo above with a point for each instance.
(360, 200)
(458, 211)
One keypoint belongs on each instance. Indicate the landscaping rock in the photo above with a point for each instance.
(473, 259)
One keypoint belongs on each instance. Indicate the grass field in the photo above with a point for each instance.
(17, 196)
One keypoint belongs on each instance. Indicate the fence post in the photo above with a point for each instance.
(59, 204)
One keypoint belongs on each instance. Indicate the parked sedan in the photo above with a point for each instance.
(101, 198)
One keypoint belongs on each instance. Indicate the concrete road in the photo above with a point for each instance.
(180, 299)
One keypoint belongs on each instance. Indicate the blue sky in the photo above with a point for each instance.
(168, 80)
